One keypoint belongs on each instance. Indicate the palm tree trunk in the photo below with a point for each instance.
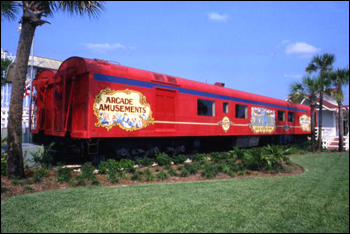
(313, 130)
(341, 127)
(15, 168)
(320, 124)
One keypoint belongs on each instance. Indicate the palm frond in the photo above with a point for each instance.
(9, 10)
(91, 8)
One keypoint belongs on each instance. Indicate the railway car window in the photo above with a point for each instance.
(225, 107)
(290, 116)
(241, 111)
(206, 107)
(281, 116)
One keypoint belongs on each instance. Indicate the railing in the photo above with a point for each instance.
(326, 132)
(328, 140)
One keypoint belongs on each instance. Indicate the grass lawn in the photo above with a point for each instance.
(315, 201)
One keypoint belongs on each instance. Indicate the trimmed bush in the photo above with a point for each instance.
(163, 159)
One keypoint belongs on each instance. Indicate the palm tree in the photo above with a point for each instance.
(33, 12)
(322, 64)
(340, 78)
(308, 88)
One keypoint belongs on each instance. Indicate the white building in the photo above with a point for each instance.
(35, 66)
(330, 130)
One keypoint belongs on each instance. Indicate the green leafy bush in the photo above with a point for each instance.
(40, 173)
(42, 157)
(210, 171)
(162, 175)
(239, 153)
(163, 159)
(136, 176)
(3, 157)
(88, 171)
(63, 174)
(191, 168)
(200, 158)
(179, 159)
(146, 162)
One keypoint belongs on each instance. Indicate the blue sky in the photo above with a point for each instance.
(257, 47)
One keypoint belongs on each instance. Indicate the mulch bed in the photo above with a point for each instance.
(26, 186)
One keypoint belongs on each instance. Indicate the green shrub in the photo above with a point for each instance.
(256, 158)
(41, 157)
(210, 171)
(136, 176)
(162, 175)
(127, 164)
(63, 174)
(200, 158)
(191, 168)
(79, 180)
(172, 172)
(103, 168)
(278, 153)
(179, 159)
(16, 182)
(163, 159)
(3, 189)
(145, 162)
(239, 153)
(88, 171)
(40, 173)
(184, 173)
(149, 175)
(28, 188)
(3, 157)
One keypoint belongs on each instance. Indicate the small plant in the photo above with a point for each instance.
(63, 174)
(127, 164)
(40, 173)
(241, 173)
(184, 173)
(191, 168)
(145, 162)
(3, 189)
(239, 153)
(210, 171)
(42, 157)
(200, 158)
(257, 158)
(179, 159)
(149, 175)
(136, 176)
(16, 182)
(172, 172)
(162, 175)
(28, 188)
(88, 171)
(3, 157)
(163, 159)
(79, 180)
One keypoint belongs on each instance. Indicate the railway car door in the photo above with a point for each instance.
(165, 108)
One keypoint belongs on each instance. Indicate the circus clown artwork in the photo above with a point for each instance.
(126, 109)
(305, 123)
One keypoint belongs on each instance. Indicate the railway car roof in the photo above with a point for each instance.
(114, 72)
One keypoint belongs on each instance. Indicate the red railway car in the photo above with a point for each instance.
(95, 106)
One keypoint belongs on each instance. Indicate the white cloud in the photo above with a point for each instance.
(106, 47)
(301, 48)
(216, 17)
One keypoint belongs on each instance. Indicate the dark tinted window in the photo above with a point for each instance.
(281, 116)
(290, 116)
(206, 107)
(241, 111)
